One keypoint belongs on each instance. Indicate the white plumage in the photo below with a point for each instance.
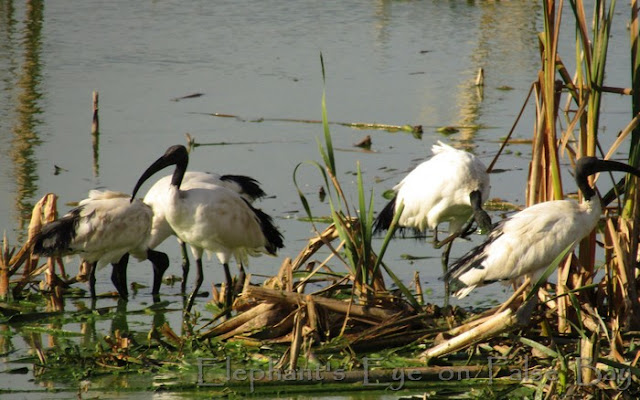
(441, 189)
(158, 199)
(527, 242)
(449, 187)
(101, 230)
(215, 219)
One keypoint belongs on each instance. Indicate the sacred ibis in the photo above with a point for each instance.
(215, 219)
(102, 230)
(449, 187)
(527, 242)
(157, 198)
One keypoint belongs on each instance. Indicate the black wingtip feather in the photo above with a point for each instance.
(385, 217)
(56, 237)
(472, 259)
(250, 186)
(271, 233)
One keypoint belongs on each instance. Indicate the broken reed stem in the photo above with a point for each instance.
(328, 235)
(497, 324)
(4, 268)
(562, 303)
(419, 296)
(301, 284)
(515, 295)
(296, 343)
(292, 298)
(95, 122)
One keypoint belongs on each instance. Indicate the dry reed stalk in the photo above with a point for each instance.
(505, 321)
(587, 357)
(281, 328)
(296, 342)
(300, 285)
(266, 321)
(4, 268)
(312, 314)
(95, 122)
(280, 278)
(512, 302)
(561, 288)
(327, 236)
(34, 227)
(590, 318)
(292, 298)
(216, 296)
(24, 256)
(416, 280)
(619, 271)
(239, 320)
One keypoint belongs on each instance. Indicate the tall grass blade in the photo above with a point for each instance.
(547, 272)
(329, 157)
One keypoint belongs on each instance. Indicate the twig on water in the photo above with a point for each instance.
(414, 129)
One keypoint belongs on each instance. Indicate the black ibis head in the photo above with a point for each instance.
(175, 155)
(587, 166)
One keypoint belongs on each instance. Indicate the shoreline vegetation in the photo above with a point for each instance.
(346, 322)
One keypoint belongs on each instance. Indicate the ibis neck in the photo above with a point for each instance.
(587, 191)
(178, 174)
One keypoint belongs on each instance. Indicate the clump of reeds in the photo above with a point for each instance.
(23, 260)
(580, 319)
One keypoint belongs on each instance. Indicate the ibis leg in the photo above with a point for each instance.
(160, 263)
(198, 283)
(228, 299)
(92, 280)
(115, 278)
(119, 276)
(185, 266)
(445, 268)
(241, 278)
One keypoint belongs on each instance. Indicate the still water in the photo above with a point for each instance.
(387, 62)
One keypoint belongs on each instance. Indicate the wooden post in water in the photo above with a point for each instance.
(4, 269)
(95, 135)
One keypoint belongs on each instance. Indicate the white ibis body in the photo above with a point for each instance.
(215, 219)
(449, 187)
(527, 242)
(102, 230)
(158, 199)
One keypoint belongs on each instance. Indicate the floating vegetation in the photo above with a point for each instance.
(448, 130)
(496, 204)
(415, 130)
